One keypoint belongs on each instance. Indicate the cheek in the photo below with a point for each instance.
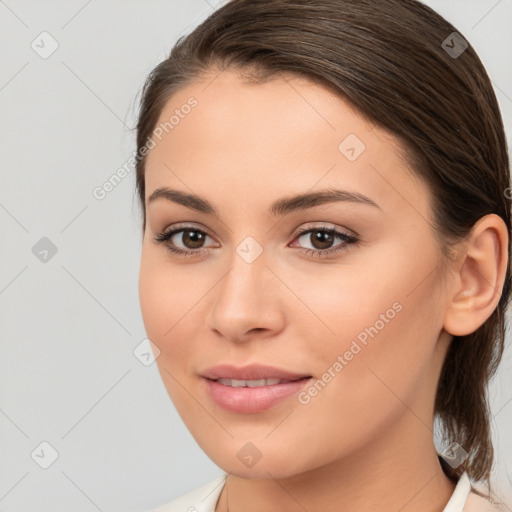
(166, 293)
(172, 300)
(384, 322)
(374, 384)
(154, 301)
(336, 303)
(381, 297)
(164, 309)
(161, 301)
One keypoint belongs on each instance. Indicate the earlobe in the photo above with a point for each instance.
(478, 277)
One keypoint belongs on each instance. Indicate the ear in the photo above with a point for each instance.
(478, 276)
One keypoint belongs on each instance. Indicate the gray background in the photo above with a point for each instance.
(68, 328)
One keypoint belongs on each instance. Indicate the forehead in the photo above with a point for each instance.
(284, 101)
(284, 135)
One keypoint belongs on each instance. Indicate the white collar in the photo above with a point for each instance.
(460, 495)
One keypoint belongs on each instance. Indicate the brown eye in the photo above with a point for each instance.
(192, 238)
(321, 239)
(186, 240)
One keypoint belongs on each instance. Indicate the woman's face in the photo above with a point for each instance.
(358, 312)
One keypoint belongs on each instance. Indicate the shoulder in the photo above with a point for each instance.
(476, 503)
(202, 499)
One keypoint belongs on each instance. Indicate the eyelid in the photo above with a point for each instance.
(187, 225)
(327, 226)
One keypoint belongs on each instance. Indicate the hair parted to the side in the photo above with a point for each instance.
(386, 58)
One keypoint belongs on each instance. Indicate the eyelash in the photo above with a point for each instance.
(348, 240)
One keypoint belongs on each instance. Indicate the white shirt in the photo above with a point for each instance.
(204, 499)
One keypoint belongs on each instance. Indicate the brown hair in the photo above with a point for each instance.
(394, 61)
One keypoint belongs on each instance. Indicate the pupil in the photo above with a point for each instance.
(194, 237)
(322, 237)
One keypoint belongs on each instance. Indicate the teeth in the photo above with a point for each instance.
(236, 383)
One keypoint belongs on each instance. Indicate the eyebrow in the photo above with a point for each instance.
(280, 207)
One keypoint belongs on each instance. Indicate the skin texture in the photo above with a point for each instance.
(365, 440)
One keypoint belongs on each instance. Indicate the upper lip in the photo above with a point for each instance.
(250, 372)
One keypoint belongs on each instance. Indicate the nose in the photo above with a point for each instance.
(247, 301)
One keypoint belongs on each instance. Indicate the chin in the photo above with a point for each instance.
(255, 460)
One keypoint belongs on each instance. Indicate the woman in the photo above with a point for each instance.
(325, 256)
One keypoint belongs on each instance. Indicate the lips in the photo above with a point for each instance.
(251, 389)
(254, 372)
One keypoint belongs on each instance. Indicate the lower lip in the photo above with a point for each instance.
(251, 400)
